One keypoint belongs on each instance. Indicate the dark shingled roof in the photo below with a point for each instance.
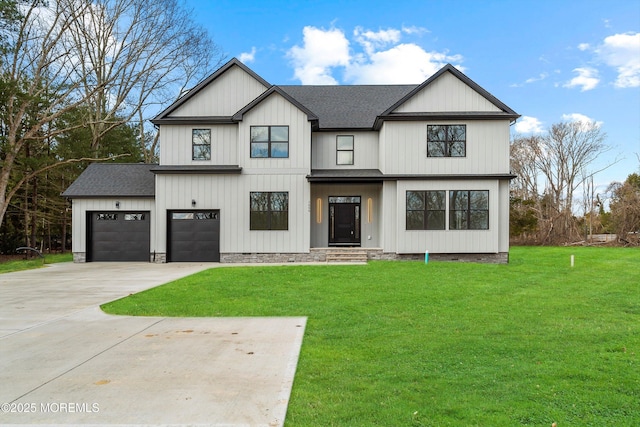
(114, 180)
(348, 107)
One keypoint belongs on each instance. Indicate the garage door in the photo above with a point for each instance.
(194, 236)
(118, 236)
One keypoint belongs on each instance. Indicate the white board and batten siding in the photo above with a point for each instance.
(365, 150)
(176, 145)
(447, 94)
(231, 195)
(403, 149)
(223, 97)
(81, 206)
(452, 241)
(276, 111)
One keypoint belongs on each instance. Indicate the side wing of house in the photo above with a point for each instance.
(113, 213)
(447, 147)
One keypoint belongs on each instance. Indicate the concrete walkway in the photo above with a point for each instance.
(64, 362)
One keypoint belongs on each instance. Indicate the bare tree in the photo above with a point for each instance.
(625, 208)
(119, 58)
(136, 55)
(552, 167)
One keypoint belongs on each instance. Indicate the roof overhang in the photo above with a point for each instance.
(199, 120)
(446, 115)
(198, 169)
(345, 176)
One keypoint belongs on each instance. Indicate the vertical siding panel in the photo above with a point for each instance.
(447, 93)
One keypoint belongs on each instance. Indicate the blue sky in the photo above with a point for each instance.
(549, 60)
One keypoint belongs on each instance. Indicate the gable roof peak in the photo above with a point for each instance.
(462, 77)
(233, 62)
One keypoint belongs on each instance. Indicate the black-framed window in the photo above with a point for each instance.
(344, 150)
(107, 217)
(270, 141)
(469, 210)
(134, 217)
(201, 144)
(426, 210)
(446, 140)
(269, 211)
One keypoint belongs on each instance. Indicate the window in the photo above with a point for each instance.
(201, 144)
(468, 210)
(107, 217)
(446, 140)
(182, 215)
(206, 215)
(269, 211)
(344, 150)
(426, 210)
(270, 141)
(134, 217)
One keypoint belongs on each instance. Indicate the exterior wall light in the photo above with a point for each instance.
(117, 205)
(319, 210)
(193, 202)
(369, 210)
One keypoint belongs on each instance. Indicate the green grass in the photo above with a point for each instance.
(444, 344)
(18, 265)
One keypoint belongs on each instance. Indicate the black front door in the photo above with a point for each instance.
(344, 221)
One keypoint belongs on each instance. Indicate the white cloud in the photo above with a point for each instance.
(414, 30)
(586, 79)
(321, 51)
(402, 64)
(584, 46)
(247, 57)
(374, 57)
(542, 76)
(371, 41)
(581, 118)
(527, 124)
(622, 51)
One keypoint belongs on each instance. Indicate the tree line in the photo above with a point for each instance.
(79, 80)
(553, 199)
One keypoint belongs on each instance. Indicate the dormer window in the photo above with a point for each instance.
(344, 150)
(270, 141)
(446, 140)
(201, 144)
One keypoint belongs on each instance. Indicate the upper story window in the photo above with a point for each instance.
(344, 150)
(446, 140)
(426, 210)
(469, 210)
(270, 141)
(269, 211)
(201, 144)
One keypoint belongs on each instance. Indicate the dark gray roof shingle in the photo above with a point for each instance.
(114, 180)
(348, 107)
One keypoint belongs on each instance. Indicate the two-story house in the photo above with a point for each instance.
(250, 171)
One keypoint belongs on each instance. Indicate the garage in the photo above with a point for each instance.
(118, 236)
(194, 236)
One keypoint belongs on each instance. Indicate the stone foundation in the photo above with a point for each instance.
(158, 257)
(320, 255)
(79, 257)
(261, 258)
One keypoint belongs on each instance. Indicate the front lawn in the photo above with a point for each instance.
(444, 344)
(19, 263)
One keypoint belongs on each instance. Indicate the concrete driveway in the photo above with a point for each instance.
(64, 362)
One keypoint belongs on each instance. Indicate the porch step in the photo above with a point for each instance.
(347, 255)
